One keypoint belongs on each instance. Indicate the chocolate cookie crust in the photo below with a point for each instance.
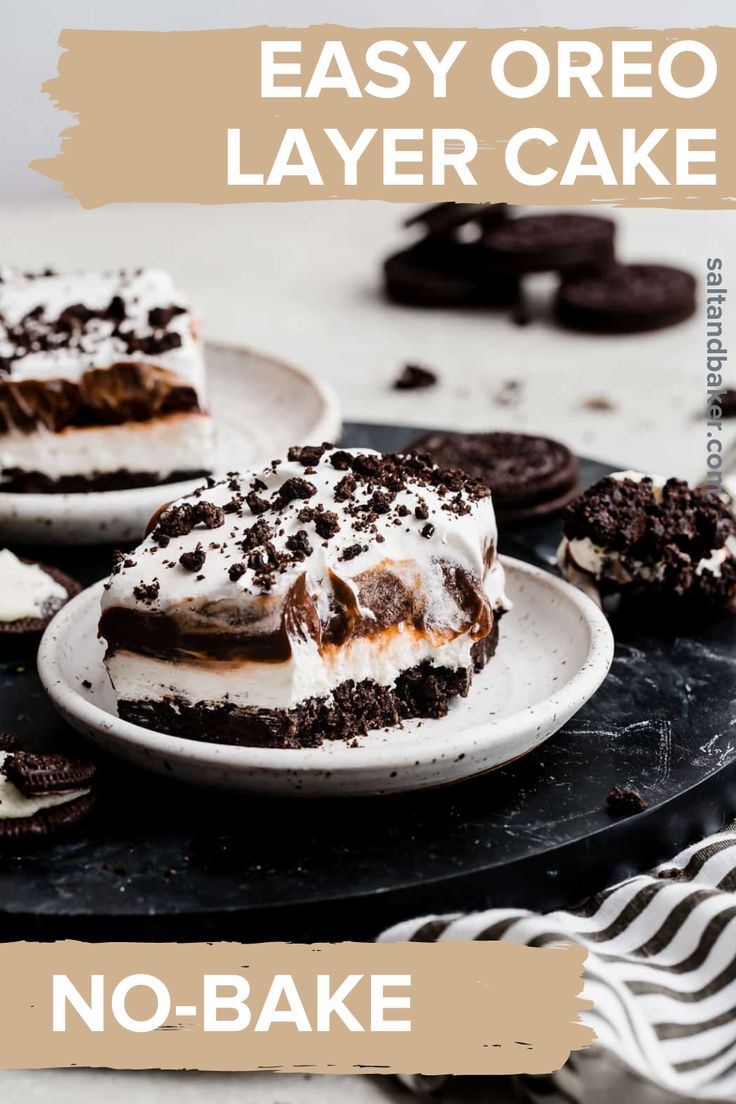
(530, 477)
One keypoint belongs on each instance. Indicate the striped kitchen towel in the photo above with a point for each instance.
(661, 972)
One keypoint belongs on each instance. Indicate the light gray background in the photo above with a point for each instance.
(29, 125)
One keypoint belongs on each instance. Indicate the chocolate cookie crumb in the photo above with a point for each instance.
(345, 489)
(308, 455)
(194, 560)
(256, 504)
(208, 515)
(256, 535)
(327, 524)
(147, 592)
(413, 377)
(296, 487)
(625, 801)
(299, 544)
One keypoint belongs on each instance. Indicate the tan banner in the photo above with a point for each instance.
(475, 1008)
(541, 115)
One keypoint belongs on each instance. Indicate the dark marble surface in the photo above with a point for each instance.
(166, 861)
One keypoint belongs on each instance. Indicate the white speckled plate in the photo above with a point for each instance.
(261, 407)
(554, 651)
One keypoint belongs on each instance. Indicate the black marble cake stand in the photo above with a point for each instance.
(163, 861)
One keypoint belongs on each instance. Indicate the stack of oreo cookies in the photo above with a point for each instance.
(475, 254)
(449, 266)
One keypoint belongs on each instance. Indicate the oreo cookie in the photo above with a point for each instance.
(566, 243)
(40, 775)
(447, 219)
(628, 298)
(42, 794)
(532, 478)
(45, 822)
(450, 266)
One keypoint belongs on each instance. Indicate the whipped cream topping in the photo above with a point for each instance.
(26, 590)
(128, 315)
(14, 805)
(332, 521)
(364, 539)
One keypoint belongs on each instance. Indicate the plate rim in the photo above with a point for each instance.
(308, 761)
(57, 506)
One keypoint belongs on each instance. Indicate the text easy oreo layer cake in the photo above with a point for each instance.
(332, 593)
(102, 382)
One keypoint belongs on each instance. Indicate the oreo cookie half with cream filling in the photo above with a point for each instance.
(30, 594)
(41, 794)
(650, 537)
(102, 382)
(331, 593)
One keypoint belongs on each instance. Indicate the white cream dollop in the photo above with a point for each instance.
(26, 590)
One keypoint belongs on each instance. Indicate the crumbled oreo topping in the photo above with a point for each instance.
(345, 489)
(326, 523)
(669, 530)
(291, 520)
(298, 543)
(295, 488)
(308, 455)
(147, 592)
(351, 551)
(81, 328)
(194, 560)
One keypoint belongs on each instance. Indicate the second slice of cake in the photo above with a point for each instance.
(102, 382)
(331, 593)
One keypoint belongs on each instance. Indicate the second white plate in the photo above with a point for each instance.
(554, 651)
(261, 406)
